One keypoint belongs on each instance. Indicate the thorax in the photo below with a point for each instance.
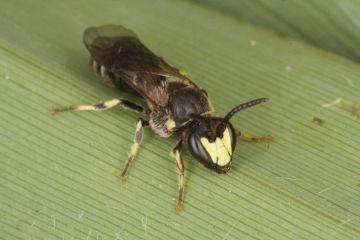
(183, 102)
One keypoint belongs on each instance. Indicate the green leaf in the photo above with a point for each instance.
(59, 174)
(329, 24)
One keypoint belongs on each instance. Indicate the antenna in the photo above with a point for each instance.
(244, 106)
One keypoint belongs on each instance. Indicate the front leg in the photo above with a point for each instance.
(249, 138)
(180, 165)
(134, 147)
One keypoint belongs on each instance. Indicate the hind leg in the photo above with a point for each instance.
(102, 106)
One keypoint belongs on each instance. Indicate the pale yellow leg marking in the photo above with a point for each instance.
(181, 169)
(170, 124)
(92, 107)
(134, 148)
(248, 137)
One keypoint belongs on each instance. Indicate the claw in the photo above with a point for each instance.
(179, 206)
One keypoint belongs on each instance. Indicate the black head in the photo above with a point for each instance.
(212, 140)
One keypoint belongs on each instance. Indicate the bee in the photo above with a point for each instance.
(175, 104)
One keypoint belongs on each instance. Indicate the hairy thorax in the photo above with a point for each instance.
(183, 103)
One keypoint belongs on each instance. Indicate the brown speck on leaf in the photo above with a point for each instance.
(318, 121)
(353, 109)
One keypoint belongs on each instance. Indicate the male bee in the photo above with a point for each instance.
(174, 103)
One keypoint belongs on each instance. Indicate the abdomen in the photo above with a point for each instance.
(111, 79)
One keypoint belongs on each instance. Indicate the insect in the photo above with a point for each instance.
(175, 104)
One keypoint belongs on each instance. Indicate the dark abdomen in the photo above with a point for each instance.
(111, 79)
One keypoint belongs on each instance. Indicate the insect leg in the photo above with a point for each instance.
(141, 123)
(180, 165)
(104, 106)
(250, 138)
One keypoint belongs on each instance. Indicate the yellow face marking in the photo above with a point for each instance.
(210, 148)
(220, 150)
(227, 140)
(170, 124)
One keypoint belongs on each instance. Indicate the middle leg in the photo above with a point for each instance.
(250, 138)
(180, 165)
(134, 147)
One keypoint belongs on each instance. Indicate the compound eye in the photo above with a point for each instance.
(198, 150)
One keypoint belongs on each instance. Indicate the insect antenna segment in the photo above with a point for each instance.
(244, 106)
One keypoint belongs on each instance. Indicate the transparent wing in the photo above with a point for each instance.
(120, 51)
